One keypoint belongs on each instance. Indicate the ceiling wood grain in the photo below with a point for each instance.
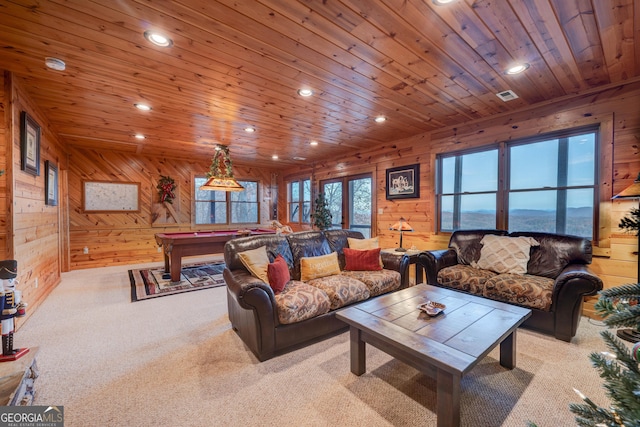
(239, 63)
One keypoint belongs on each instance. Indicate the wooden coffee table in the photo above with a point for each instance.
(444, 347)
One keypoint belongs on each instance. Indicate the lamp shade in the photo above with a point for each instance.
(220, 175)
(222, 184)
(631, 192)
(401, 225)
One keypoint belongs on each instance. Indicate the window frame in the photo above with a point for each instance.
(503, 173)
(228, 204)
(300, 202)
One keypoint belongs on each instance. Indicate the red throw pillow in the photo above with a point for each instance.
(278, 274)
(362, 259)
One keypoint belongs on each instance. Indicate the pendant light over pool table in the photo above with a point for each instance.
(220, 175)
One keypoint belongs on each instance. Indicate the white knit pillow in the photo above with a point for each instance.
(504, 254)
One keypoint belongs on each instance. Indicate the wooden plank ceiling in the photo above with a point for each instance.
(239, 63)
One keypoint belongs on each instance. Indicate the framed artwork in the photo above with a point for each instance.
(50, 183)
(403, 182)
(29, 145)
(100, 196)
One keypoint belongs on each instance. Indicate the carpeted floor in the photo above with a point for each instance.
(176, 362)
(155, 282)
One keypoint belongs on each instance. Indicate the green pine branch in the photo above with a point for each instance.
(618, 306)
(621, 374)
(631, 223)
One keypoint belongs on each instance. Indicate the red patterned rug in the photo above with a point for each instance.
(154, 282)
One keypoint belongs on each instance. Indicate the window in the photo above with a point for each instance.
(350, 202)
(549, 185)
(221, 207)
(299, 201)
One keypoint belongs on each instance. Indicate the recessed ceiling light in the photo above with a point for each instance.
(139, 136)
(299, 158)
(158, 39)
(442, 2)
(305, 92)
(142, 107)
(250, 129)
(55, 63)
(517, 69)
(274, 157)
(314, 143)
(380, 119)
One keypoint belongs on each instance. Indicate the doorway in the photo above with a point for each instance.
(350, 202)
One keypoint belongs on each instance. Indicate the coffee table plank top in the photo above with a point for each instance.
(454, 341)
(417, 346)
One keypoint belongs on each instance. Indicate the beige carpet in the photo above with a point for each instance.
(175, 361)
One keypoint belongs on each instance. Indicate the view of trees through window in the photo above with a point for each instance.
(550, 186)
(358, 203)
(215, 207)
(299, 195)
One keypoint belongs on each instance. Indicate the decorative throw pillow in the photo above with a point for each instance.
(278, 274)
(504, 254)
(256, 261)
(319, 266)
(362, 259)
(371, 243)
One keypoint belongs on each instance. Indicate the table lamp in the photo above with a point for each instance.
(631, 192)
(402, 225)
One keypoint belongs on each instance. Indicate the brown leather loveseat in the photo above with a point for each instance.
(270, 323)
(552, 282)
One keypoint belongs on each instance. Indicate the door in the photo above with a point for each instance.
(350, 202)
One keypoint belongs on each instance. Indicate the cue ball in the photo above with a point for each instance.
(195, 234)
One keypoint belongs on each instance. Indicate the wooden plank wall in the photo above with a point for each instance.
(126, 238)
(31, 229)
(617, 108)
(4, 165)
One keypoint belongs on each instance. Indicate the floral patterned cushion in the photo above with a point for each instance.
(526, 290)
(378, 282)
(299, 301)
(341, 290)
(464, 278)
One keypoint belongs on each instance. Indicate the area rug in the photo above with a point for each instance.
(154, 282)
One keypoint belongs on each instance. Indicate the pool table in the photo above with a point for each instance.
(177, 245)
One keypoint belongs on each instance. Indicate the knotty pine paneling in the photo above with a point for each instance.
(4, 166)
(32, 229)
(617, 109)
(128, 237)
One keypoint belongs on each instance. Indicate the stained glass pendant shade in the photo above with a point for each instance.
(220, 175)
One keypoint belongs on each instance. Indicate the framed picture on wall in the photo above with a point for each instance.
(50, 183)
(29, 145)
(99, 196)
(403, 182)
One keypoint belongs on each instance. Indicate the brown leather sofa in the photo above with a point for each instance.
(554, 286)
(252, 303)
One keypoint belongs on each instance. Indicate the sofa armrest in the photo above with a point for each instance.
(434, 261)
(399, 264)
(252, 311)
(578, 280)
(250, 292)
(573, 284)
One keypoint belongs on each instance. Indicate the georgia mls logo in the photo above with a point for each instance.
(32, 416)
(55, 409)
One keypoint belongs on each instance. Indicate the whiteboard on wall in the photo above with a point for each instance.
(99, 196)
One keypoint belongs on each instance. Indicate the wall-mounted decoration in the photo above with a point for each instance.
(403, 182)
(166, 211)
(166, 189)
(100, 196)
(29, 145)
(50, 183)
